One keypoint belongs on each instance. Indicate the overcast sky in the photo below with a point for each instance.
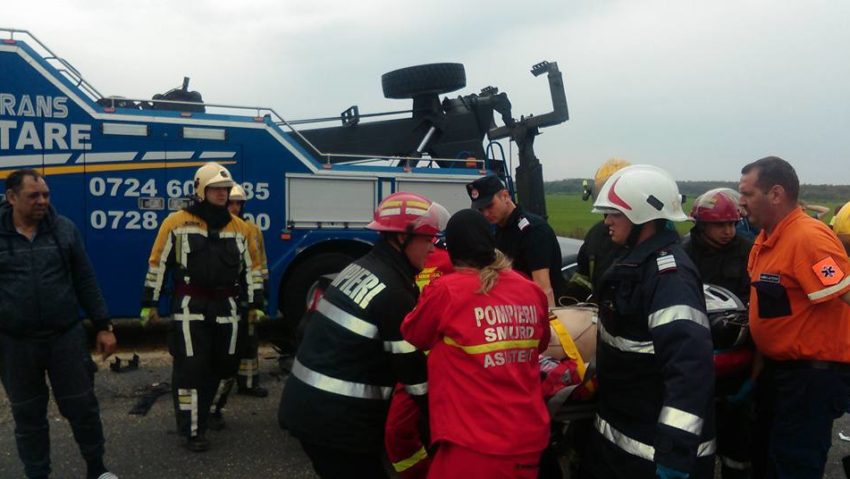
(698, 88)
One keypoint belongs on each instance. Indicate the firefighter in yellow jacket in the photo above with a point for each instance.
(248, 378)
(214, 269)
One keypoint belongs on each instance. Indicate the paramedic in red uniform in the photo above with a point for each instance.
(484, 325)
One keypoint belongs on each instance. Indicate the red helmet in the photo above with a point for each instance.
(719, 205)
(409, 213)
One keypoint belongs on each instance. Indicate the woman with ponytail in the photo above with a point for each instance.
(485, 325)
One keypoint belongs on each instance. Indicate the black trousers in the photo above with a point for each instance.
(249, 364)
(249, 375)
(734, 425)
(795, 409)
(204, 352)
(331, 463)
(64, 359)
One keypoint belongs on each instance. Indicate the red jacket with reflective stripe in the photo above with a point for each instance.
(483, 373)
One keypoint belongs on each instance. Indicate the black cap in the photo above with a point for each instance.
(481, 191)
(470, 239)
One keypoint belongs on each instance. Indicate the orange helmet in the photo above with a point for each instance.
(719, 205)
(409, 213)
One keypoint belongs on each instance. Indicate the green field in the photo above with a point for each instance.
(570, 216)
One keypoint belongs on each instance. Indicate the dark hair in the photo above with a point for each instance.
(16, 179)
(773, 171)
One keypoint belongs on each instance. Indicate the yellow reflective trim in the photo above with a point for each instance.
(411, 461)
(107, 167)
(495, 346)
(390, 204)
(418, 204)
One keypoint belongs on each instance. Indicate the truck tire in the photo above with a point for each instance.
(430, 79)
(296, 292)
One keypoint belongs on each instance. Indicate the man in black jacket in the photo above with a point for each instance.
(45, 278)
(720, 255)
(337, 400)
(654, 353)
(525, 238)
(598, 252)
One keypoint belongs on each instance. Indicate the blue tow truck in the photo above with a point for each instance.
(117, 166)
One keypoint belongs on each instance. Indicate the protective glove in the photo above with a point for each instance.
(743, 394)
(255, 315)
(664, 472)
(149, 315)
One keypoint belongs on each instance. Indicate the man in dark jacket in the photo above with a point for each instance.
(720, 255)
(525, 238)
(45, 278)
(598, 252)
(654, 353)
(336, 401)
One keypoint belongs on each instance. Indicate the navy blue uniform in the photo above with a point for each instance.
(655, 369)
(337, 400)
(530, 243)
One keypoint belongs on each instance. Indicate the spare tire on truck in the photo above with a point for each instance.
(429, 79)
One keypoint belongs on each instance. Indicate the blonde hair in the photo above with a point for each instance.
(489, 275)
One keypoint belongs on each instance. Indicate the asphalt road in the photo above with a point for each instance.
(252, 444)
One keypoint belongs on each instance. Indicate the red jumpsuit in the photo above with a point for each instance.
(401, 436)
(485, 399)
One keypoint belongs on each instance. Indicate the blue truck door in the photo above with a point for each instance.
(125, 204)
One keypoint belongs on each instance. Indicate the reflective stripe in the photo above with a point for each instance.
(733, 464)
(675, 313)
(832, 289)
(495, 346)
(623, 344)
(187, 400)
(681, 420)
(411, 461)
(399, 347)
(338, 386)
(347, 320)
(159, 269)
(233, 320)
(416, 389)
(637, 448)
(186, 317)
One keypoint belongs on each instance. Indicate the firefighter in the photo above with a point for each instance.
(336, 400)
(598, 251)
(403, 441)
(248, 379)
(526, 239)
(214, 269)
(720, 256)
(484, 326)
(654, 353)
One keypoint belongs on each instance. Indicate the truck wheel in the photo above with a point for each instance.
(298, 292)
(430, 79)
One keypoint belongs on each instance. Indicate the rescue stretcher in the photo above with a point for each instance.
(567, 365)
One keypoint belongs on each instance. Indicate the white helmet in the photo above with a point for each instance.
(237, 193)
(643, 193)
(211, 174)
